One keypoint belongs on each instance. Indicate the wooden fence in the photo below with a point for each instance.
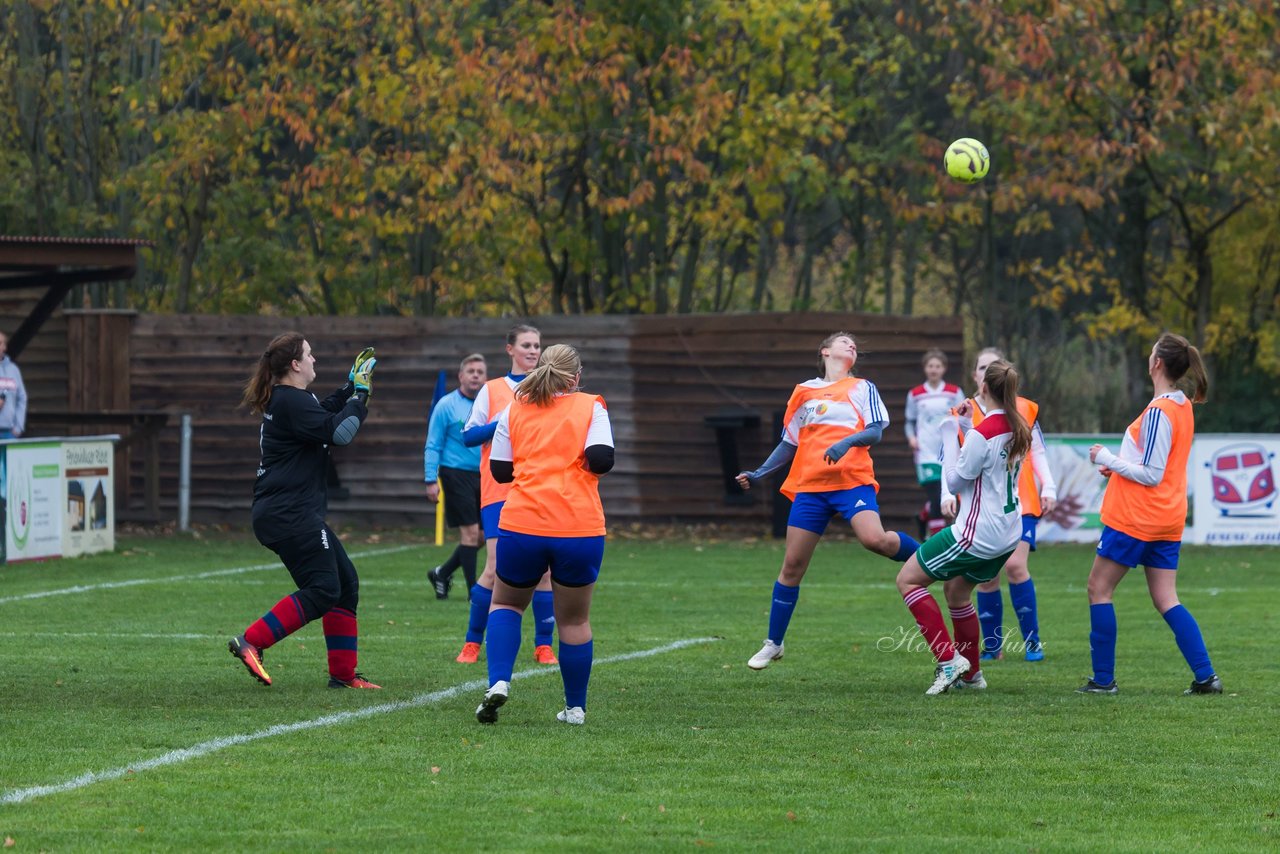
(663, 378)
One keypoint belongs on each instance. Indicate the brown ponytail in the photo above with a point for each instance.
(1183, 360)
(557, 371)
(1002, 385)
(273, 364)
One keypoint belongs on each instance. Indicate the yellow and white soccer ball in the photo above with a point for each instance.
(967, 160)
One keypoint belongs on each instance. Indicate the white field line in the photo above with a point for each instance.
(304, 639)
(204, 748)
(134, 582)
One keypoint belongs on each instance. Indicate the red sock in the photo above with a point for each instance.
(968, 631)
(929, 618)
(340, 638)
(277, 624)
(936, 525)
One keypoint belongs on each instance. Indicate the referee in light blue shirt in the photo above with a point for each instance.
(449, 464)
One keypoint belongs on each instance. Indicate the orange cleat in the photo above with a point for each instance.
(250, 656)
(544, 655)
(470, 653)
(357, 681)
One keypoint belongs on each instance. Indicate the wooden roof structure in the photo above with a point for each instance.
(57, 264)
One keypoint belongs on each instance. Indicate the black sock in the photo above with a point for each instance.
(447, 568)
(467, 559)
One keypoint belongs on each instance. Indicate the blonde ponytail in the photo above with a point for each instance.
(557, 372)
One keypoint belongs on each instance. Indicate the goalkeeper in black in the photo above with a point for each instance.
(289, 503)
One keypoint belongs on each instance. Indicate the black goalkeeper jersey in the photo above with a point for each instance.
(289, 496)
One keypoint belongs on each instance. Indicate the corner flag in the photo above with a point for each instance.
(442, 388)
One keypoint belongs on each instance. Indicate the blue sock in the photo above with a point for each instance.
(906, 547)
(480, 599)
(575, 670)
(784, 605)
(1187, 633)
(1102, 642)
(1023, 598)
(544, 617)
(991, 616)
(503, 644)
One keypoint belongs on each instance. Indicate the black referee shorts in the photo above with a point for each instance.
(461, 490)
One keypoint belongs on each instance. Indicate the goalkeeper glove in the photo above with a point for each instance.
(365, 355)
(363, 376)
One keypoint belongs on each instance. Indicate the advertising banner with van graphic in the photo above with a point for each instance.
(1231, 489)
(1233, 485)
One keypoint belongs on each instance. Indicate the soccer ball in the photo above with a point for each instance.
(967, 160)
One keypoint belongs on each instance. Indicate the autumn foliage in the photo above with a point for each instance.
(665, 156)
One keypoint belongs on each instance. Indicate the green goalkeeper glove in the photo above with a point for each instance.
(365, 355)
(363, 376)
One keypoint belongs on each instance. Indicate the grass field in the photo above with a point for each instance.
(124, 723)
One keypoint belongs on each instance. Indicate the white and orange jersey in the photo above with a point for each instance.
(554, 493)
(926, 409)
(1029, 491)
(1146, 496)
(819, 414)
(989, 521)
(493, 397)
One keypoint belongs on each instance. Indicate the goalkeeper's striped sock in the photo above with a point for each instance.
(285, 618)
(481, 597)
(544, 617)
(340, 635)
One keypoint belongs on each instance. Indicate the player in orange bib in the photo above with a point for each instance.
(1143, 513)
(830, 424)
(1037, 494)
(552, 445)
(524, 345)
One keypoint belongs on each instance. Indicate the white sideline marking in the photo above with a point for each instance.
(302, 639)
(134, 582)
(173, 757)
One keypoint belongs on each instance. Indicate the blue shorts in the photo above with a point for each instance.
(813, 510)
(1029, 523)
(489, 519)
(573, 561)
(1129, 551)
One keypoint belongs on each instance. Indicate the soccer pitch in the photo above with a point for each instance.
(124, 723)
